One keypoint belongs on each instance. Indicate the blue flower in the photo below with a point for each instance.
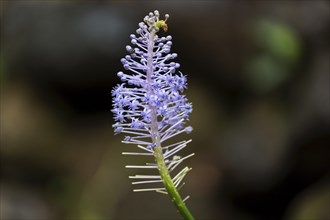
(149, 106)
(150, 102)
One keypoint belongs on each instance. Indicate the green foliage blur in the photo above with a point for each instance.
(276, 62)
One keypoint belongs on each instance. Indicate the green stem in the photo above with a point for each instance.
(169, 185)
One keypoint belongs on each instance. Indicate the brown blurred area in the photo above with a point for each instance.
(258, 77)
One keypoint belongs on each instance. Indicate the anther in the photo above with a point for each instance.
(166, 17)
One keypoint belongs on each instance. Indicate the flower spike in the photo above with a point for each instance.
(150, 108)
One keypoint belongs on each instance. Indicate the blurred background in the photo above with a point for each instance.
(258, 77)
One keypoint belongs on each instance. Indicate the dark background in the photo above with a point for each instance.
(258, 76)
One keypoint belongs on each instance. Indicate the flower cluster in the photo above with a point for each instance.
(151, 87)
(149, 106)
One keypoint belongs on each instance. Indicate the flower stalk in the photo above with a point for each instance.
(150, 107)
